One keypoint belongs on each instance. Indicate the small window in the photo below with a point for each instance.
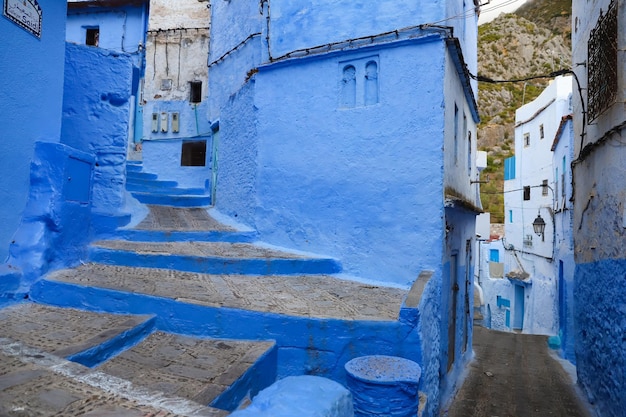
(510, 216)
(526, 139)
(92, 36)
(527, 192)
(541, 133)
(544, 187)
(348, 86)
(193, 154)
(371, 83)
(195, 93)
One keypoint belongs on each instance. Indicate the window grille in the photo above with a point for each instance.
(602, 63)
(526, 139)
(527, 192)
(544, 187)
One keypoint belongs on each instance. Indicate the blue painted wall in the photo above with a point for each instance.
(305, 24)
(564, 240)
(121, 29)
(461, 228)
(347, 182)
(96, 111)
(54, 229)
(164, 158)
(32, 70)
(600, 291)
(236, 32)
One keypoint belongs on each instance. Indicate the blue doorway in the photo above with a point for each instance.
(518, 312)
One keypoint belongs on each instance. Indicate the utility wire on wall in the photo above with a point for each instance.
(554, 74)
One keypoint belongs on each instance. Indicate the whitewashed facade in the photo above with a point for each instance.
(522, 293)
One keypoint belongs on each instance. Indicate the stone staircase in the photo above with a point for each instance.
(186, 310)
(148, 189)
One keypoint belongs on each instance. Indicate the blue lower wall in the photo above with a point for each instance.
(58, 212)
(32, 97)
(600, 313)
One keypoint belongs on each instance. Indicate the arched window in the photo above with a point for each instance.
(348, 86)
(371, 83)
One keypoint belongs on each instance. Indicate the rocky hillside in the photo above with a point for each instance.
(535, 40)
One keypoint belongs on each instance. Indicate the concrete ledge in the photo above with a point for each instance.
(302, 396)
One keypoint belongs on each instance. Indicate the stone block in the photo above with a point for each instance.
(302, 396)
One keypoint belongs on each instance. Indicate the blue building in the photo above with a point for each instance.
(356, 142)
(563, 154)
(119, 26)
(599, 220)
(32, 61)
(329, 127)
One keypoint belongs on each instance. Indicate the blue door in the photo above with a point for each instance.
(518, 312)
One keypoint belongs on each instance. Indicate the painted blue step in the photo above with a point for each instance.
(134, 168)
(209, 258)
(141, 175)
(173, 200)
(133, 162)
(151, 183)
(159, 189)
(135, 235)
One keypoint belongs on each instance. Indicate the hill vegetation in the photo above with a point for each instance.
(535, 40)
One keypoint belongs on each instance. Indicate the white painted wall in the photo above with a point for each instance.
(529, 257)
(177, 49)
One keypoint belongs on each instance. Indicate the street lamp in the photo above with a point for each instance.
(539, 226)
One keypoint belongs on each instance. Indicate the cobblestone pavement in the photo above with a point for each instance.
(180, 219)
(308, 296)
(36, 380)
(514, 375)
(197, 369)
(63, 332)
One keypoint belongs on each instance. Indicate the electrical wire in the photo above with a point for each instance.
(467, 13)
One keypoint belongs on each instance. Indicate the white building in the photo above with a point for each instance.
(522, 292)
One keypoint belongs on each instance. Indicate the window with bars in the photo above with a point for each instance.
(602, 63)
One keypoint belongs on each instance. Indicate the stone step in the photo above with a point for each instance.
(319, 322)
(141, 175)
(306, 296)
(159, 189)
(138, 235)
(220, 373)
(209, 257)
(80, 336)
(133, 167)
(172, 200)
(36, 383)
(150, 182)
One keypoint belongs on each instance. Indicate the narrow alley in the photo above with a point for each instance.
(514, 375)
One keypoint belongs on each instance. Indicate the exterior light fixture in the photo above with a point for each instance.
(539, 226)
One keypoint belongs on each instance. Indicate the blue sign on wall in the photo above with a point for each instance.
(24, 13)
